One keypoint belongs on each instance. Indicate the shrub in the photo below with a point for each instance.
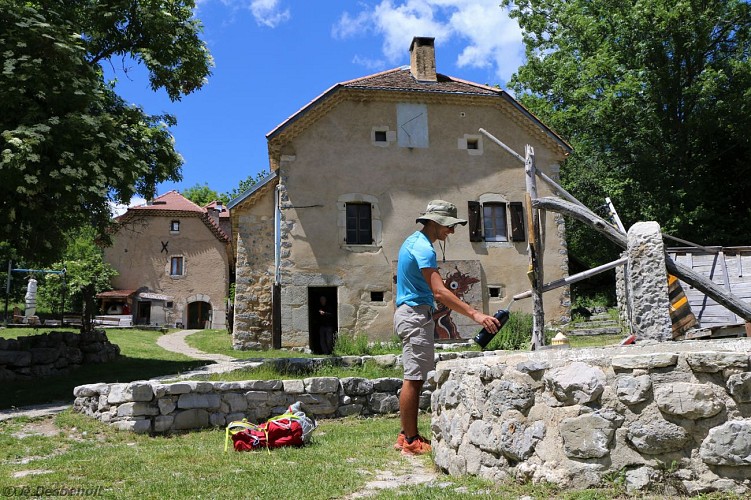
(515, 335)
(357, 344)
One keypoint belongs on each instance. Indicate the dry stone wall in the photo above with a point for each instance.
(673, 414)
(53, 353)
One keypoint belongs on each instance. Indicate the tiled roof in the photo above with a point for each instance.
(402, 79)
(173, 204)
(171, 200)
(224, 214)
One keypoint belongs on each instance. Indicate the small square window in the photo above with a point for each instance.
(494, 291)
(169, 304)
(174, 226)
(380, 136)
(473, 143)
(376, 296)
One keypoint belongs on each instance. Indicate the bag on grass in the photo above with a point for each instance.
(292, 428)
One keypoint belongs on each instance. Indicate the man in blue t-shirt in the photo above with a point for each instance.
(418, 286)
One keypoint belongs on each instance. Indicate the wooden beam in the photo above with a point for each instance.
(535, 252)
(574, 278)
(698, 281)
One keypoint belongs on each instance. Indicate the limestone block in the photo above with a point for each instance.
(715, 361)
(138, 426)
(387, 384)
(482, 435)
(193, 400)
(44, 355)
(349, 409)
(739, 386)
(532, 367)
(647, 276)
(350, 361)
(163, 423)
(200, 387)
(424, 401)
(195, 418)
(319, 404)
(178, 388)
(140, 391)
(519, 437)
(508, 394)
(235, 402)
(633, 390)
(728, 444)
(321, 385)
(644, 361)
(264, 385)
(654, 436)
(381, 402)
(118, 394)
(687, 400)
(458, 427)
(217, 420)
(472, 457)
(357, 386)
(577, 383)
(587, 436)
(385, 360)
(166, 405)
(442, 454)
(136, 409)
(639, 479)
(89, 390)
(256, 397)
(293, 386)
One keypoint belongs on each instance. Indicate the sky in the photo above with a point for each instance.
(272, 57)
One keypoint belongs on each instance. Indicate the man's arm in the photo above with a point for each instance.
(447, 298)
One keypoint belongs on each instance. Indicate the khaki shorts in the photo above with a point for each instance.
(415, 326)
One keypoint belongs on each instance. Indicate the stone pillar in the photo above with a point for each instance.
(648, 281)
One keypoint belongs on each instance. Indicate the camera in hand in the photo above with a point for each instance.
(484, 337)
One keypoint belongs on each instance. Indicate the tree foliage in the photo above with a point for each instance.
(202, 195)
(655, 98)
(68, 143)
(246, 184)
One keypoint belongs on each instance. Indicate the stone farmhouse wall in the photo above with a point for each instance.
(673, 414)
(53, 353)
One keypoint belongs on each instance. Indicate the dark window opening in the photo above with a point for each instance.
(473, 144)
(359, 224)
(174, 225)
(376, 296)
(494, 221)
(169, 304)
(494, 291)
(380, 136)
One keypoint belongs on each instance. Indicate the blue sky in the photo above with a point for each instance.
(274, 56)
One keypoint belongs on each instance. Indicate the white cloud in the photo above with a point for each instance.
(369, 64)
(117, 209)
(269, 12)
(490, 39)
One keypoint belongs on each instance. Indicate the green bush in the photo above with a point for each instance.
(515, 335)
(357, 344)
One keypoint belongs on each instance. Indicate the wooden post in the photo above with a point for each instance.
(535, 250)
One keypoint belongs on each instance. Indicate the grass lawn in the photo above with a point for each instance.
(73, 452)
(141, 359)
(369, 370)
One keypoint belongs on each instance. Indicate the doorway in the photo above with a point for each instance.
(323, 318)
(198, 315)
(144, 312)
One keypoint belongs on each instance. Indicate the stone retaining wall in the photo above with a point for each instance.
(53, 353)
(673, 414)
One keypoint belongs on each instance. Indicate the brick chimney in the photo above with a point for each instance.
(422, 59)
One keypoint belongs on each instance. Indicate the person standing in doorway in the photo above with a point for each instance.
(327, 322)
(418, 286)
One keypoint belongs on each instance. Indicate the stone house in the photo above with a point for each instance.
(174, 261)
(352, 170)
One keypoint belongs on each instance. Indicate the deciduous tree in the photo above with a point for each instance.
(68, 142)
(654, 96)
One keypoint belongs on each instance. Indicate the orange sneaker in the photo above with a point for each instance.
(419, 446)
(399, 441)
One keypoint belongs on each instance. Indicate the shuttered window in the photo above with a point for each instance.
(359, 224)
(474, 209)
(494, 221)
(516, 213)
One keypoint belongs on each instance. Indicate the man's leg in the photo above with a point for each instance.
(409, 402)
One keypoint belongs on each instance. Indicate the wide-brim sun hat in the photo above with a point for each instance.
(442, 212)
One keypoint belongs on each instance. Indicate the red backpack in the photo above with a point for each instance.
(290, 429)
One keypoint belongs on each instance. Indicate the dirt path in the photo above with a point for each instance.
(414, 473)
(175, 342)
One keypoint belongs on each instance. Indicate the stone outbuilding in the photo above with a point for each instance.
(352, 170)
(174, 261)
